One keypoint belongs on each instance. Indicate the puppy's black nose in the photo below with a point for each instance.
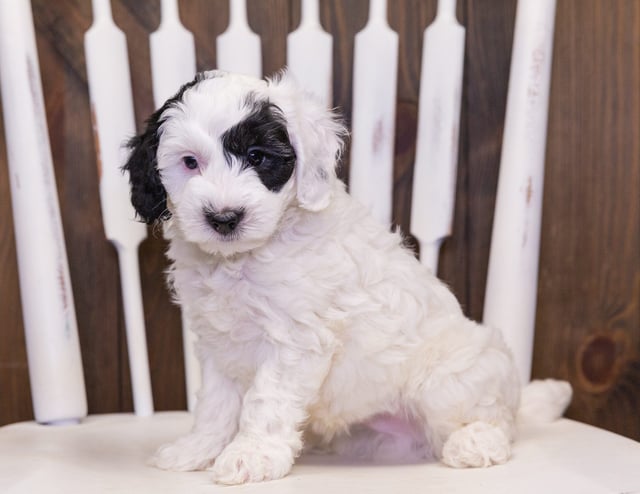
(224, 222)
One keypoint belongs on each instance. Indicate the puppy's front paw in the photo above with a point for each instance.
(249, 460)
(476, 445)
(191, 452)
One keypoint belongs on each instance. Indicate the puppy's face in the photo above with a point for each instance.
(228, 155)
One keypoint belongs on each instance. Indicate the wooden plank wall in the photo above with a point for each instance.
(588, 320)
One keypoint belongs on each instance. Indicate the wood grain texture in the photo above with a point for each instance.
(15, 401)
(588, 319)
(343, 20)
(409, 18)
(487, 60)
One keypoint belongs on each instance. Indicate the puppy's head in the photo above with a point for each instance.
(228, 155)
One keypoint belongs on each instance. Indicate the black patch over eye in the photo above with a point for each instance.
(261, 142)
(190, 162)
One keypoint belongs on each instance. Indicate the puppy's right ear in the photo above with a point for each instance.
(148, 195)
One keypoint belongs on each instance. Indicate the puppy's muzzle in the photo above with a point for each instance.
(224, 222)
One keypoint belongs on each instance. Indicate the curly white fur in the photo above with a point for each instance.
(315, 324)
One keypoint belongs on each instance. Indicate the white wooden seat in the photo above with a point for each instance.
(108, 453)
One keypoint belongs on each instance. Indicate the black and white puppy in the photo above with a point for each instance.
(312, 319)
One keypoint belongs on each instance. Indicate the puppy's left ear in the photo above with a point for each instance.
(317, 136)
(148, 195)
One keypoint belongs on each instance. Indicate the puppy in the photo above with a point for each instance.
(312, 319)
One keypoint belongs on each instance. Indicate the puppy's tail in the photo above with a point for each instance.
(544, 401)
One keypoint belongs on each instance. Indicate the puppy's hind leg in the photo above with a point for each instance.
(469, 398)
(478, 444)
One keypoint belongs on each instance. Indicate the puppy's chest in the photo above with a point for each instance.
(235, 299)
(238, 314)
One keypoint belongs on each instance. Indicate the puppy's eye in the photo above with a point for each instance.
(190, 162)
(255, 157)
